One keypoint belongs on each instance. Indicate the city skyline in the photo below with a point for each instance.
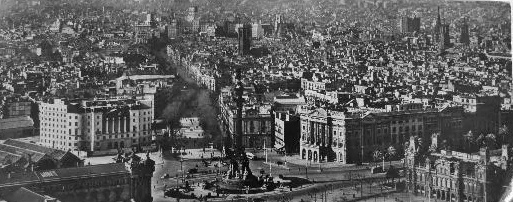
(266, 100)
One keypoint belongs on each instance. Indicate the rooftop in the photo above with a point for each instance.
(84, 172)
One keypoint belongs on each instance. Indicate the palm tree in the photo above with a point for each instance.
(391, 152)
(480, 140)
(378, 155)
(491, 141)
(469, 139)
(503, 133)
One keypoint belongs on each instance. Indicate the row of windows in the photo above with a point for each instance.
(119, 136)
(63, 109)
(53, 120)
(57, 136)
(103, 182)
(53, 130)
(52, 114)
(58, 143)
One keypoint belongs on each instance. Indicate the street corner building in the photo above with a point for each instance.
(455, 176)
(351, 136)
(106, 182)
(99, 127)
(322, 136)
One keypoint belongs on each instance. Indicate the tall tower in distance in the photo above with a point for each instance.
(444, 41)
(244, 38)
(173, 30)
(277, 25)
(437, 25)
(465, 36)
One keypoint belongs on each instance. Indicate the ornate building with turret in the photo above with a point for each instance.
(455, 176)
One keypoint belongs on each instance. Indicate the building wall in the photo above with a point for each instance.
(65, 130)
(111, 188)
(17, 109)
(454, 176)
(394, 129)
(16, 133)
(323, 137)
(312, 85)
(244, 38)
(134, 183)
(355, 136)
(56, 124)
(287, 133)
(257, 129)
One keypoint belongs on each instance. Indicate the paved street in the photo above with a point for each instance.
(171, 166)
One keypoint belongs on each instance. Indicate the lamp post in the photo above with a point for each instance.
(181, 167)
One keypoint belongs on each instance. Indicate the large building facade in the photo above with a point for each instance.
(106, 182)
(244, 38)
(323, 136)
(455, 176)
(257, 126)
(96, 125)
(257, 121)
(408, 25)
(354, 135)
(286, 132)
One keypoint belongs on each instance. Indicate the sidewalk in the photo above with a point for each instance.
(295, 160)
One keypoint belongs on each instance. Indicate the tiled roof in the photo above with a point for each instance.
(35, 156)
(7, 158)
(31, 178)
(25, 195)
(86, 171)
(21, 178)
(54, 153)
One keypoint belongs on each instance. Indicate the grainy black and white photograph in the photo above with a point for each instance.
(256, 101)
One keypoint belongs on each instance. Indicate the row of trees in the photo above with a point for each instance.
(491, 141)
(471, 143)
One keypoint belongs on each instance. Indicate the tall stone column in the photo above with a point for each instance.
(107, 125)
(111, 124)
(122, 124)
(127, 124)
(119, 124)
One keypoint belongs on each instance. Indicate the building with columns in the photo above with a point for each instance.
(323, 135)
(455, 176)
(97, 126)
(352, 136)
